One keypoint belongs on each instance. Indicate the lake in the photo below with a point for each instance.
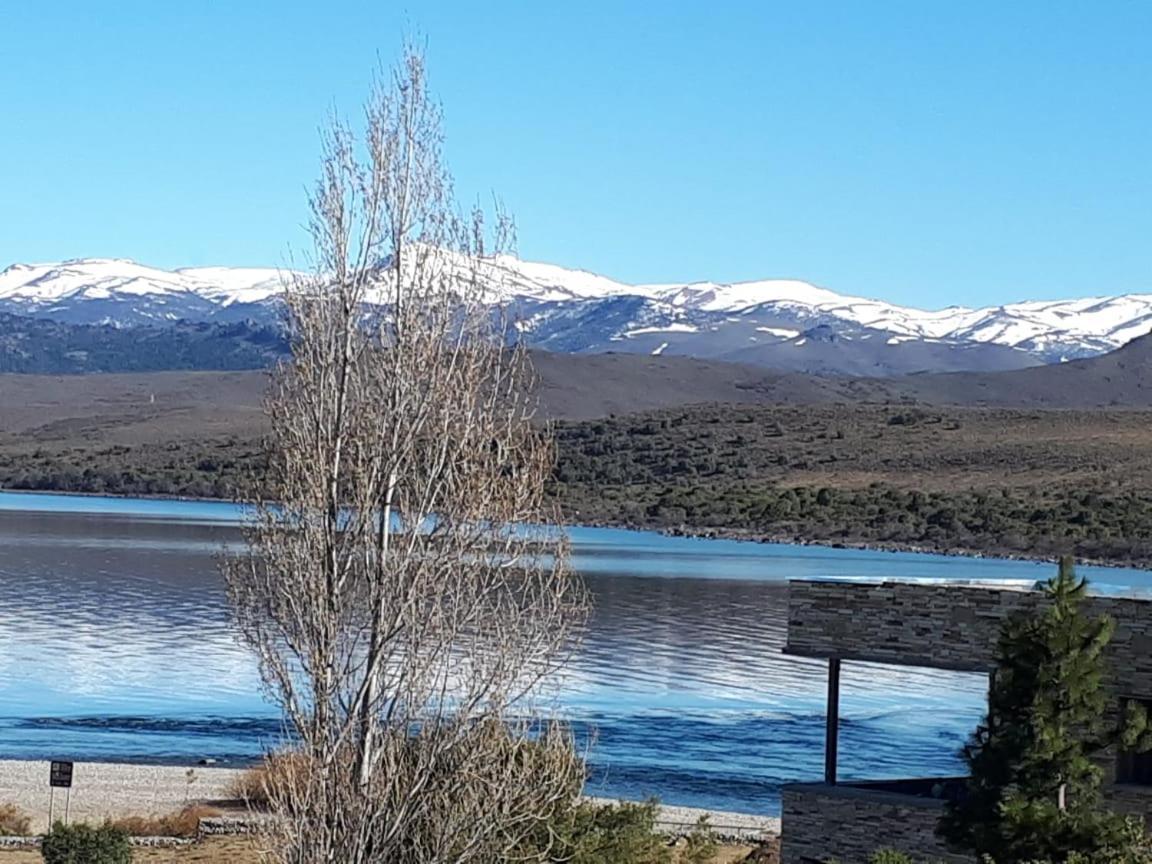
(115, 644)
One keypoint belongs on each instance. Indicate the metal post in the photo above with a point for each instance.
(991, 690)
(67, 803)
(51, 801)
(832, 733)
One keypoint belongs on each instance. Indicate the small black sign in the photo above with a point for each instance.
(61, 775)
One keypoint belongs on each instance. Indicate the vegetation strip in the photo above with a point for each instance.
(969, 481)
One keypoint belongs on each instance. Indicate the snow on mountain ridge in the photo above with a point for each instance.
(577, 301)
(106, 277)
(235, 284)
(549, 281)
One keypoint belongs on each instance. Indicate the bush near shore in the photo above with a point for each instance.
(81, 843)
(585, 833)
(182, 823)
(14, 822)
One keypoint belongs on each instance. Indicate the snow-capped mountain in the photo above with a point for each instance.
(118, 291)
(777, 322)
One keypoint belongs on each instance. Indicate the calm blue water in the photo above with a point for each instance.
(115, 643)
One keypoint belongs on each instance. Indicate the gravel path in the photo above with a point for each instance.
(106, 789)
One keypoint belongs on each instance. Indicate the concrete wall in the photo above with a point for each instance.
(849, 824)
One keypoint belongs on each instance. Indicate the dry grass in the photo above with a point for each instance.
(217, 850)
(251, 786)
(767, 852)
(277, 771)
(14, 822)
(247, 850)
(182, 823)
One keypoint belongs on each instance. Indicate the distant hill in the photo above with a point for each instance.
(596, 385)
(1002, 480)
(864, 352)
(1119, 379)
(574, 386)
(965, 462)
(44, 346)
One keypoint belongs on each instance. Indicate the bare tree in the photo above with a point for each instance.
(405, 594)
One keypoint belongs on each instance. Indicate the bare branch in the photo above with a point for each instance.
(408, 593)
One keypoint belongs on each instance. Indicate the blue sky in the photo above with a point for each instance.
(923, 151)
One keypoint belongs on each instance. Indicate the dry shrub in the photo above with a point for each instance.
(517, 778)
(14, 822)
(257, 785)
(768, 852)
(181, 823)
(250, 786)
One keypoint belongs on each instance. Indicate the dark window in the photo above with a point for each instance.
(1135, 768)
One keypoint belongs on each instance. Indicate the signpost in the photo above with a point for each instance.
(59, 777)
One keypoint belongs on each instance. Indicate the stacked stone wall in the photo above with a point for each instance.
(946, 626)
(822, 823)
(942, 626)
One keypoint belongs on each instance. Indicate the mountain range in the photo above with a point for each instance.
(783, 324)
(43, 346)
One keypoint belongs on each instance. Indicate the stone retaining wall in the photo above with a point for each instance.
(848, 824)
(670, 821)
(12, 842)
(222, 826)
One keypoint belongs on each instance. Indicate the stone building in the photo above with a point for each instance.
(940, 626)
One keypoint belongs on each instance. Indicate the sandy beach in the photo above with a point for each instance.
(110, 790)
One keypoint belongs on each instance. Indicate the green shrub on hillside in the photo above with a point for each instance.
(1012, 482)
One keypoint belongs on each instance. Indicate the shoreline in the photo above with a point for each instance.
(698, 533)
(141, 496)
(119, 789)
(742, 536)
(896, 547)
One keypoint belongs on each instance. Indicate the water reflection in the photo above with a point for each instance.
(115, 643)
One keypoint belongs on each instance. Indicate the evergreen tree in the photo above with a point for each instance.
(1034, 787)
